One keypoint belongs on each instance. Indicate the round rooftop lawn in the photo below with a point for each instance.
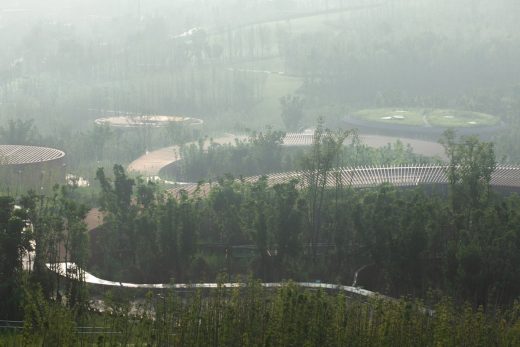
(425, 117)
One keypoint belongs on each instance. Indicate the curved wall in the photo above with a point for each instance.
(30, 167)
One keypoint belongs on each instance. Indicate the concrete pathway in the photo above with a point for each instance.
(151, 163)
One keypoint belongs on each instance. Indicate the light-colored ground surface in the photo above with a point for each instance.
(424, 117)
(134, 121)
(93, 219)
(151, 163)
(427, 148)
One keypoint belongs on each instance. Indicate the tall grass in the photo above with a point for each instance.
(289, 316)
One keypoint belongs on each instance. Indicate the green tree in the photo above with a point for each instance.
(168, 238)
(14, 242)
(286, 228)
(116, 199)
(292, 111)
(471, 163)
(324, 156)
(187, 235)
(98, 137)
(19, 132)
(75, 241)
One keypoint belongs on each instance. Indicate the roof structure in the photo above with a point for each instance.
(154, 121)
(20, 155)
(506, 177)
(298, 139)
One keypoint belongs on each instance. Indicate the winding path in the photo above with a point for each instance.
(504, 177)
(151, 163)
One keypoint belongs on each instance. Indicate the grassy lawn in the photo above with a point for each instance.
(459, 119)
(264, 112)
(392, 116)
(445, 118)
(268, 110)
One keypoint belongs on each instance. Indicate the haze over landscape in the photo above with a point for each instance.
(259, 172)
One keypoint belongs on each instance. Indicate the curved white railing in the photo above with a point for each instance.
(72, 271)
(505, 176)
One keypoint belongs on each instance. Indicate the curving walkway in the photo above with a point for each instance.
(151, 163)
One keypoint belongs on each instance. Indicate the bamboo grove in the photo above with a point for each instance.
(253, 316)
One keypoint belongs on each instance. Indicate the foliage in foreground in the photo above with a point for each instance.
(463, 244)
(253, 316)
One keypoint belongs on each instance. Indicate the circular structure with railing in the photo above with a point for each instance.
(126, 120)
(426, 122)
(504, 178)
(26, 155)
(30, 167)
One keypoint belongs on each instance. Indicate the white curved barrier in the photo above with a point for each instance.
(365, 177)
(72, 271)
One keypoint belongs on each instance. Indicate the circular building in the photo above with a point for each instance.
(425, 122)
(30, 167)
(152, 121)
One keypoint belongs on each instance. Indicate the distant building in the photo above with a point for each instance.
(151, 121)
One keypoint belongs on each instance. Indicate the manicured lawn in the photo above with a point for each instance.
(268, 110)
(392, 116)
(444, 118)
(454, 118)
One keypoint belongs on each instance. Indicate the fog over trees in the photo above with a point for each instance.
(211, 141)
